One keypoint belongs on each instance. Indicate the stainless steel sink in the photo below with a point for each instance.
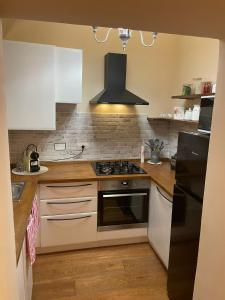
(17, 190)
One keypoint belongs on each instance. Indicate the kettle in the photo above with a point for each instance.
(31, 159)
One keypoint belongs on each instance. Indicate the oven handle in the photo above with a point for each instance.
(124, 195)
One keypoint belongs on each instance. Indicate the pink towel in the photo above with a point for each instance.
(32, 230)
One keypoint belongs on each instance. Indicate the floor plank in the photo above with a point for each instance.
(127, 272)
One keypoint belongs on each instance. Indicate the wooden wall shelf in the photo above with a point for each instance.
(192, 97)
(173, 120)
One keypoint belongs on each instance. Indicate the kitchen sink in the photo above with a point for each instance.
(17, 190)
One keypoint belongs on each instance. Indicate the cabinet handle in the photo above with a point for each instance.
(69, 202)
(163, 195)
(67, 186)
(68, 219)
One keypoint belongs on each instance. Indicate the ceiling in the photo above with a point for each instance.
(200, 18)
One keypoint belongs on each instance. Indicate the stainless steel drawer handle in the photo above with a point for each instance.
(69, 202)
(67, 186)
(163, 195)
(68, 219)
(124, 195)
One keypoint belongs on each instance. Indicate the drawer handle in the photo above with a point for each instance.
(124, 195)
(163, 195)
(69, 202)
(67, 186)
(68, 219)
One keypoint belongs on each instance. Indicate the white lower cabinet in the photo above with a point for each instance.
(24, 276)
(21, 278)
(159, 228)
(57, 230)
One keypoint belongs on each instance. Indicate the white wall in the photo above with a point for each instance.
(198, 58)
(210, 277)
(152, 73)
(8, 287)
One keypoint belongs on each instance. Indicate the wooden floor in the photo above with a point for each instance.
(130, 272)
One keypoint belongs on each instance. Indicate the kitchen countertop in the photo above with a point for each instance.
(77, 171)
(22, 209)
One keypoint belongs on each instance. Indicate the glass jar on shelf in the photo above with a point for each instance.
(197, 85)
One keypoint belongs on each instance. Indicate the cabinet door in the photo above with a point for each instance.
(68, 75)
(30, 90)
(24, 275)
(21, 277)
(160, 213)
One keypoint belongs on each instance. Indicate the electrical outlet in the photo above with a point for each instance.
(60, 146)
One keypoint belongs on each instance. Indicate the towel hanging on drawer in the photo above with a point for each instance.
(32, 231)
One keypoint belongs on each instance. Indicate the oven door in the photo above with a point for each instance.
(122, 209)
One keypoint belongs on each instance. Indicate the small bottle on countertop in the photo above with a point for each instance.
(142, 154)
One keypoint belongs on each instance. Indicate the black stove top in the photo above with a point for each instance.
(117, 168)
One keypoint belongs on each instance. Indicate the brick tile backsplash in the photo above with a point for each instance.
(109, 136)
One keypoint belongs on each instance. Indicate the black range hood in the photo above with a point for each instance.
(115, 83)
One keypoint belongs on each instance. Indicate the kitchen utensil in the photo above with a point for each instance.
(156, 145)
(150, 144)
(161, 146)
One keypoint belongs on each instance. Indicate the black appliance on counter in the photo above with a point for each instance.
(205, 117)
(123, 204)
(117, 168)
(191, 167)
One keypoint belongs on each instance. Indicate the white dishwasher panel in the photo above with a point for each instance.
(159, 228)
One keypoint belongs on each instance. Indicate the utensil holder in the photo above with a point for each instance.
(155, 157)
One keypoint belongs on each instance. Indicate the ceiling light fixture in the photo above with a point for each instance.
(124, 35)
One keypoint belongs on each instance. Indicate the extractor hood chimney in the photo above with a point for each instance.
(115, 83)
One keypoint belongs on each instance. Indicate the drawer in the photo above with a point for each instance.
(68, 229)
(68, 190)
(68, 206)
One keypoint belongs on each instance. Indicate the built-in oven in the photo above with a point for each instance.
(123, 204)
(206, 111)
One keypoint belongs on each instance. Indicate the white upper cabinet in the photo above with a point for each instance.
(30, 88)
(68, 75)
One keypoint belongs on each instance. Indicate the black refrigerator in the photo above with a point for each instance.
(192, 154)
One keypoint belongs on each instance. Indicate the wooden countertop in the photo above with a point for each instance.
(77, 171)
(22, 209)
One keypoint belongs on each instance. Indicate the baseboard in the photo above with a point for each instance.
(97, 244)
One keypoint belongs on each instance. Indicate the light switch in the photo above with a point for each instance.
(60, 146)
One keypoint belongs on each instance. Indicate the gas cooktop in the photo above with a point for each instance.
(117, 168)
